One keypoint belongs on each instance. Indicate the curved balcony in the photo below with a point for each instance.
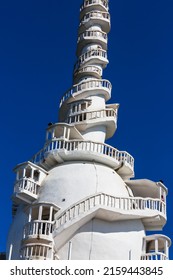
(110, 208)
(88, 88)
(60, 150)
(91, 37)
(36, 252)
(88, 70)
(25, 190)
(37, 229)
(145, 187)
(95, 18)
(156, 247)
(95, 56)
(89, 5)
(86, 119)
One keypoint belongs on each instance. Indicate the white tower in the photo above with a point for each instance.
(75, 199)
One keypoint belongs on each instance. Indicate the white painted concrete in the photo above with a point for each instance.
(96, 214)
(85, 179)
(16, 234)
(102, 240)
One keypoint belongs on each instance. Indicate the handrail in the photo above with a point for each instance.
(86, 146)
(90, 115)
(99, 53)
(97, 14)
(88, 68)
(26, 184)
(102, 199)
(92, 33)
(38, 227)
(91, 2)
(86, 85)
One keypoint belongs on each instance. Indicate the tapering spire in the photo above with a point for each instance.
(89, 88)
(92, 40)
(76, 193)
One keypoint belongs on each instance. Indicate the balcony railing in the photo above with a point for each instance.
(38, 228)
(114, 156)
(98, 54)
(26, 189)
(154, 256)
(36, 252)
(90, 70)
(93, 34)
(89, 85)
(91, 116)
(93, 17)
(88, 3)
(131, 204)
(96, 14)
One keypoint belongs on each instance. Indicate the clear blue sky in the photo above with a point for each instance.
(37, 54)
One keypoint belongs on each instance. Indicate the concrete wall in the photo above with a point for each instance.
(16, 233)
(68, 183)
(102, 240)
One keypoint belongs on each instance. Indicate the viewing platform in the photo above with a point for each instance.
(25, 190)
(145, 188)
(156, 247)
(91, 37)
(37, 241)
(28, 179)
(95, 56)
(61, 150)
(89, 70)
(95, 18)
(88, 119)
(38, 230)
(89, 5)
(87, 88)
